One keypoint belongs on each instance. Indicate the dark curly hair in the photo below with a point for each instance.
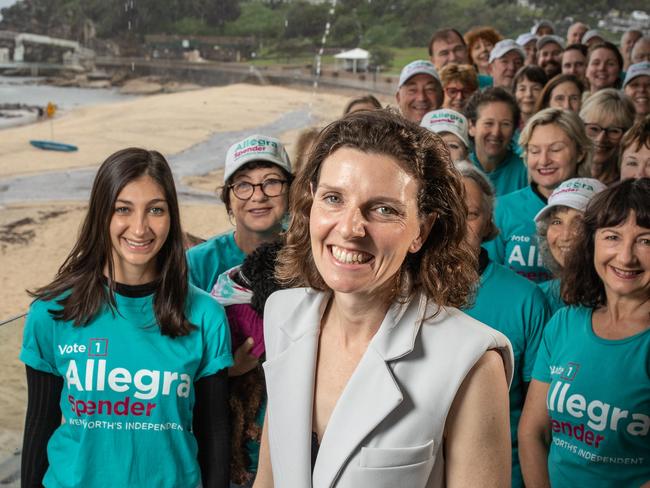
(258, 273)
(445, 267)
(247, 392)
(581, 284)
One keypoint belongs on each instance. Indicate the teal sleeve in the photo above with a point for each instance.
(496, 249)
(38, 339)
(541, 370)
(201, 264)
(539, 314)
(216, 354)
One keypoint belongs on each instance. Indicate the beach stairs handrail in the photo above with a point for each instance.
(9, 320)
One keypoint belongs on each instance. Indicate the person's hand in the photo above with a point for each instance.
(243, 359)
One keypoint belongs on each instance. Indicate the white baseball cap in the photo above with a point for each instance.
(525, 38)
(574, 193)
(589, 35)
(446, 120)
(544, 40)
(503, 47)
(417, 67)
(636, 70)
(256, 148)
(541, 23)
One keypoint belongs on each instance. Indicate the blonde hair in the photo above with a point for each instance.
(609, 102)
(571, 125)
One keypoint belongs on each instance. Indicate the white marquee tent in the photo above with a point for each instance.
(354, 60)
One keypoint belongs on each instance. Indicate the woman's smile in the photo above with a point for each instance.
(349, 256)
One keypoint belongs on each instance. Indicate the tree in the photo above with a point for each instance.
(218, 12)
(381, 56)
(306, 20)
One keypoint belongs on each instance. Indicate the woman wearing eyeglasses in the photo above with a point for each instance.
(255, 192)
(459, 81)
(257, 176)
(607, 115)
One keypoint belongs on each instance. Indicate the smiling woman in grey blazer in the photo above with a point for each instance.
(374, 377)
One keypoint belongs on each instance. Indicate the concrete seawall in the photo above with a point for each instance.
(219, 74)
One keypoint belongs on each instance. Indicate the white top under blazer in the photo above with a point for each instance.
(387, 427)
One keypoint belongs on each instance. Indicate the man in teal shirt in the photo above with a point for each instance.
(493, 117)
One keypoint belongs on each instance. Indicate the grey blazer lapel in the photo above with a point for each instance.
(290, 389)
(371, 393)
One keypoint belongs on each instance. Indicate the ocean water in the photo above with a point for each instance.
(31, 91)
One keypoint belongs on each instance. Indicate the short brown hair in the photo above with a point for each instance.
(465, 73)
(580, 283)
(224, 191)
(612, 48)
(639, 133)
(366, 100)
(445, 268)
(443, 35)
(487, 96)
(472, 36)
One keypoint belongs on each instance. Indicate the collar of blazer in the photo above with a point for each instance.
(390, 341)
(370, 395)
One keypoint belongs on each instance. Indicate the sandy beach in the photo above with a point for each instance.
(36, 237)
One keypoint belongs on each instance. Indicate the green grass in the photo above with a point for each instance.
(405, 55)
(275, 59)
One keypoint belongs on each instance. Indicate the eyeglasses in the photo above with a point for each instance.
(612, 133)
(453, 92)
(271, 188)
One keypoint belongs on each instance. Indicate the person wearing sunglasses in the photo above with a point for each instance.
(257, 176)
(607, 115)
(459, 81)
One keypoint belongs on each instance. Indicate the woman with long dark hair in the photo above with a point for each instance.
(119, 344)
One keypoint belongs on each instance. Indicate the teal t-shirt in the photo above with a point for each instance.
(516, 245)
(128, 391)
(211, 258)
(598, 403)
(517, 308)
(510, 175)
(484, 81)
(551, 289)
(515, 147)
